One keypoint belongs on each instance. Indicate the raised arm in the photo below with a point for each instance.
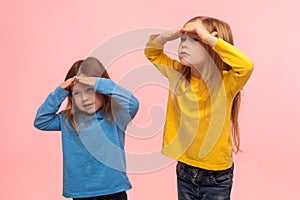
(154, 51)
(106, 86)
(46, 117)
(167, 36)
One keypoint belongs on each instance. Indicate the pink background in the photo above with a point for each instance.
(41, 39)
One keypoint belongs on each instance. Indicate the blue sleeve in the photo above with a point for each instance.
(127, 101)
(47, 118)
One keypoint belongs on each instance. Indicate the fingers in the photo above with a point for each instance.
(187, 30)
(78, 79)
(82, 79)
(86, 80)
(215, 33)
(172, 34)
(167, 36)
(68, 83)
(190, 27)
(182, 30)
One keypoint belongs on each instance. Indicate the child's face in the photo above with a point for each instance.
(191, 51)
(86, 99)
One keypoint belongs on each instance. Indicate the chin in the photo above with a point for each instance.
(90, 112)
(184, 61)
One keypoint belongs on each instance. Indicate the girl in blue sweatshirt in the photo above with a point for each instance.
(92, 126)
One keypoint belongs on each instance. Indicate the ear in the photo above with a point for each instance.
(215, 34)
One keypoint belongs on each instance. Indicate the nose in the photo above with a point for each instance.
(84, 97)
(184, 44)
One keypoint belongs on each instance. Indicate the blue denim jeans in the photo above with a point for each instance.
(116, 196)
(195, 183)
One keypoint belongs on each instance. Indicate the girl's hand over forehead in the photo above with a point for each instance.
(171, 35)
(198, 28)
(68, 83)
(87, 80)
(167, 36)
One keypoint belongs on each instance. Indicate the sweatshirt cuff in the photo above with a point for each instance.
(220, 44)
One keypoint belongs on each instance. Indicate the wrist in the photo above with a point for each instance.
(210, 40)
(160, 39)
(63, 86)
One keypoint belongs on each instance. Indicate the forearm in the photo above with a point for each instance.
(160, 39)
(46, 116)
(211, 40)
(124, 98)
(155, 54)
(238, 60)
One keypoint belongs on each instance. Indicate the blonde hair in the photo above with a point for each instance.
(224, 32)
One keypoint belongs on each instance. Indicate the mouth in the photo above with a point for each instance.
(183, 53)
(88, 105)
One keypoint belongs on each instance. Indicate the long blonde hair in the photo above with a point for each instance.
(224, 32)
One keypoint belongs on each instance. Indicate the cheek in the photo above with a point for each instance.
(198, 49)
(76, 101)
(199, 52)
(99, 99)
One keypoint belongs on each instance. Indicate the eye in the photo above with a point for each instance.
(196, 39)
(76, 93)
(90, 89)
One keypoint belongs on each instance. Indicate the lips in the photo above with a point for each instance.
(183, 53)
(87, 105)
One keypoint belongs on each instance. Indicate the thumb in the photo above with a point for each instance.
(215, 34)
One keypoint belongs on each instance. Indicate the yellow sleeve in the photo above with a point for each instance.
(242, 66)
(155, 54)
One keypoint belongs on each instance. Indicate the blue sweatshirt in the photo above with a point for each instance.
(94, 160)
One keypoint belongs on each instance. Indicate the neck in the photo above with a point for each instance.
(195, 73)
